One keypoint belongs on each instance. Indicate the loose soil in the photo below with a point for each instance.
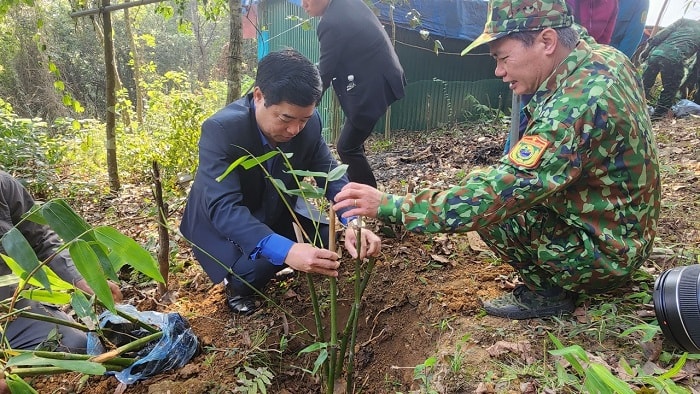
(424, 296)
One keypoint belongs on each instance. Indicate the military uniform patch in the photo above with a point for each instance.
(528, 151)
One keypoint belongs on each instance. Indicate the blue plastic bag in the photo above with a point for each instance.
(685, 107)
(173, 350)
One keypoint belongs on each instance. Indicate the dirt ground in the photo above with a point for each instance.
(424, 296)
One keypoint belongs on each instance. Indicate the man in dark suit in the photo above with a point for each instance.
(240, 228)
(358, 59)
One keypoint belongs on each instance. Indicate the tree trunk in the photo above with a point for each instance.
(117, 80)
(111, 77)
(235, 51)
(137, 66)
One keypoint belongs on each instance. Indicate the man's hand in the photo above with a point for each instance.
(371, 243)
(113, 287)
(308, 258)
(362, 200)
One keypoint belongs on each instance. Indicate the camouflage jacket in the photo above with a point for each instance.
(677, 42)
(588, 156)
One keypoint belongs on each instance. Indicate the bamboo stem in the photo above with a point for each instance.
(333, 350)
(121, 361)
(137, 344)
(37, 371)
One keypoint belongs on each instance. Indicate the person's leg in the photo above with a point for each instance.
(255, 274)
(555, 261)
(653, 67)
(28, 334)
(671, 78)
(351, 149)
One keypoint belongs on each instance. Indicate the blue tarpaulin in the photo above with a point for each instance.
(460, 19)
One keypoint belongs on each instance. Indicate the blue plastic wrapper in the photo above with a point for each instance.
(685, 107)
(173, 350)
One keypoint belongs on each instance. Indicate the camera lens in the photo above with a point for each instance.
(677, 306)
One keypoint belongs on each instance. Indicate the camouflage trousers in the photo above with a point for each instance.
(549, 254)
(671, 78)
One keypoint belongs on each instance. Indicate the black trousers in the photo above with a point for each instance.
(257, 273)
(351, 149)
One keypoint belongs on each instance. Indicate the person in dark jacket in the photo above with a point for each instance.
(358, 59)
(241, 227)
(26, 333)
(667, 52)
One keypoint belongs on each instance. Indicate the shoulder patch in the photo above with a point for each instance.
(528, 151)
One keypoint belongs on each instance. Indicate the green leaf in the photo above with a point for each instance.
(17, 385)
(88, 265)
(608, 379)
(304, 173)
(314, 347)
(322, 357)
(337, 172)
(279, 185)
(82, 366)
(124, 250)
(232, 167)
(64, 221)
(677, 367)
(256, 161)
(22, 253)
(9, 280)
(41, 295)
(83, 308)
(69, 226)
(34, 215)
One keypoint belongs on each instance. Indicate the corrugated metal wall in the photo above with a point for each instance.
(438, 88)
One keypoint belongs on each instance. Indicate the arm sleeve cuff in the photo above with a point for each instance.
(274, 247)
(390, 208)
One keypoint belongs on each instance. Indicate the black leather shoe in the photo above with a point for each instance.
(242, 305)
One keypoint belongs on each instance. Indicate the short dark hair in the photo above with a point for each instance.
(288, 76)
(567, 36)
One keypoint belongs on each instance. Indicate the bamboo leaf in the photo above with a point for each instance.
(232, 167)
(255, 161)
(34, 215)
(677, 367)
(313, 347)
(305, 173)
(337, 172)
(17, 385)
(124, 250)
(88, 265)
(278, 184)
(69, 226)
(22, 253)
(41, 295)
(83, 308)
(9, 280)
(82, 366)
(608, 380)
(64, 221)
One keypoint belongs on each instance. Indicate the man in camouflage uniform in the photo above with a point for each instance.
(668, 52)
(573, 206)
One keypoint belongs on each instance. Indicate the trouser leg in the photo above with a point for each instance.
(671, 77)
(258, 272)
(28, 334)
(653, 67)
(351, 149)
(548, 253)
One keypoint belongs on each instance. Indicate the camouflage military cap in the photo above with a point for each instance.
(510, 16)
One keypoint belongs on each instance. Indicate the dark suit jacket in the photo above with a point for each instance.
(353, 42)
(226, 220)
